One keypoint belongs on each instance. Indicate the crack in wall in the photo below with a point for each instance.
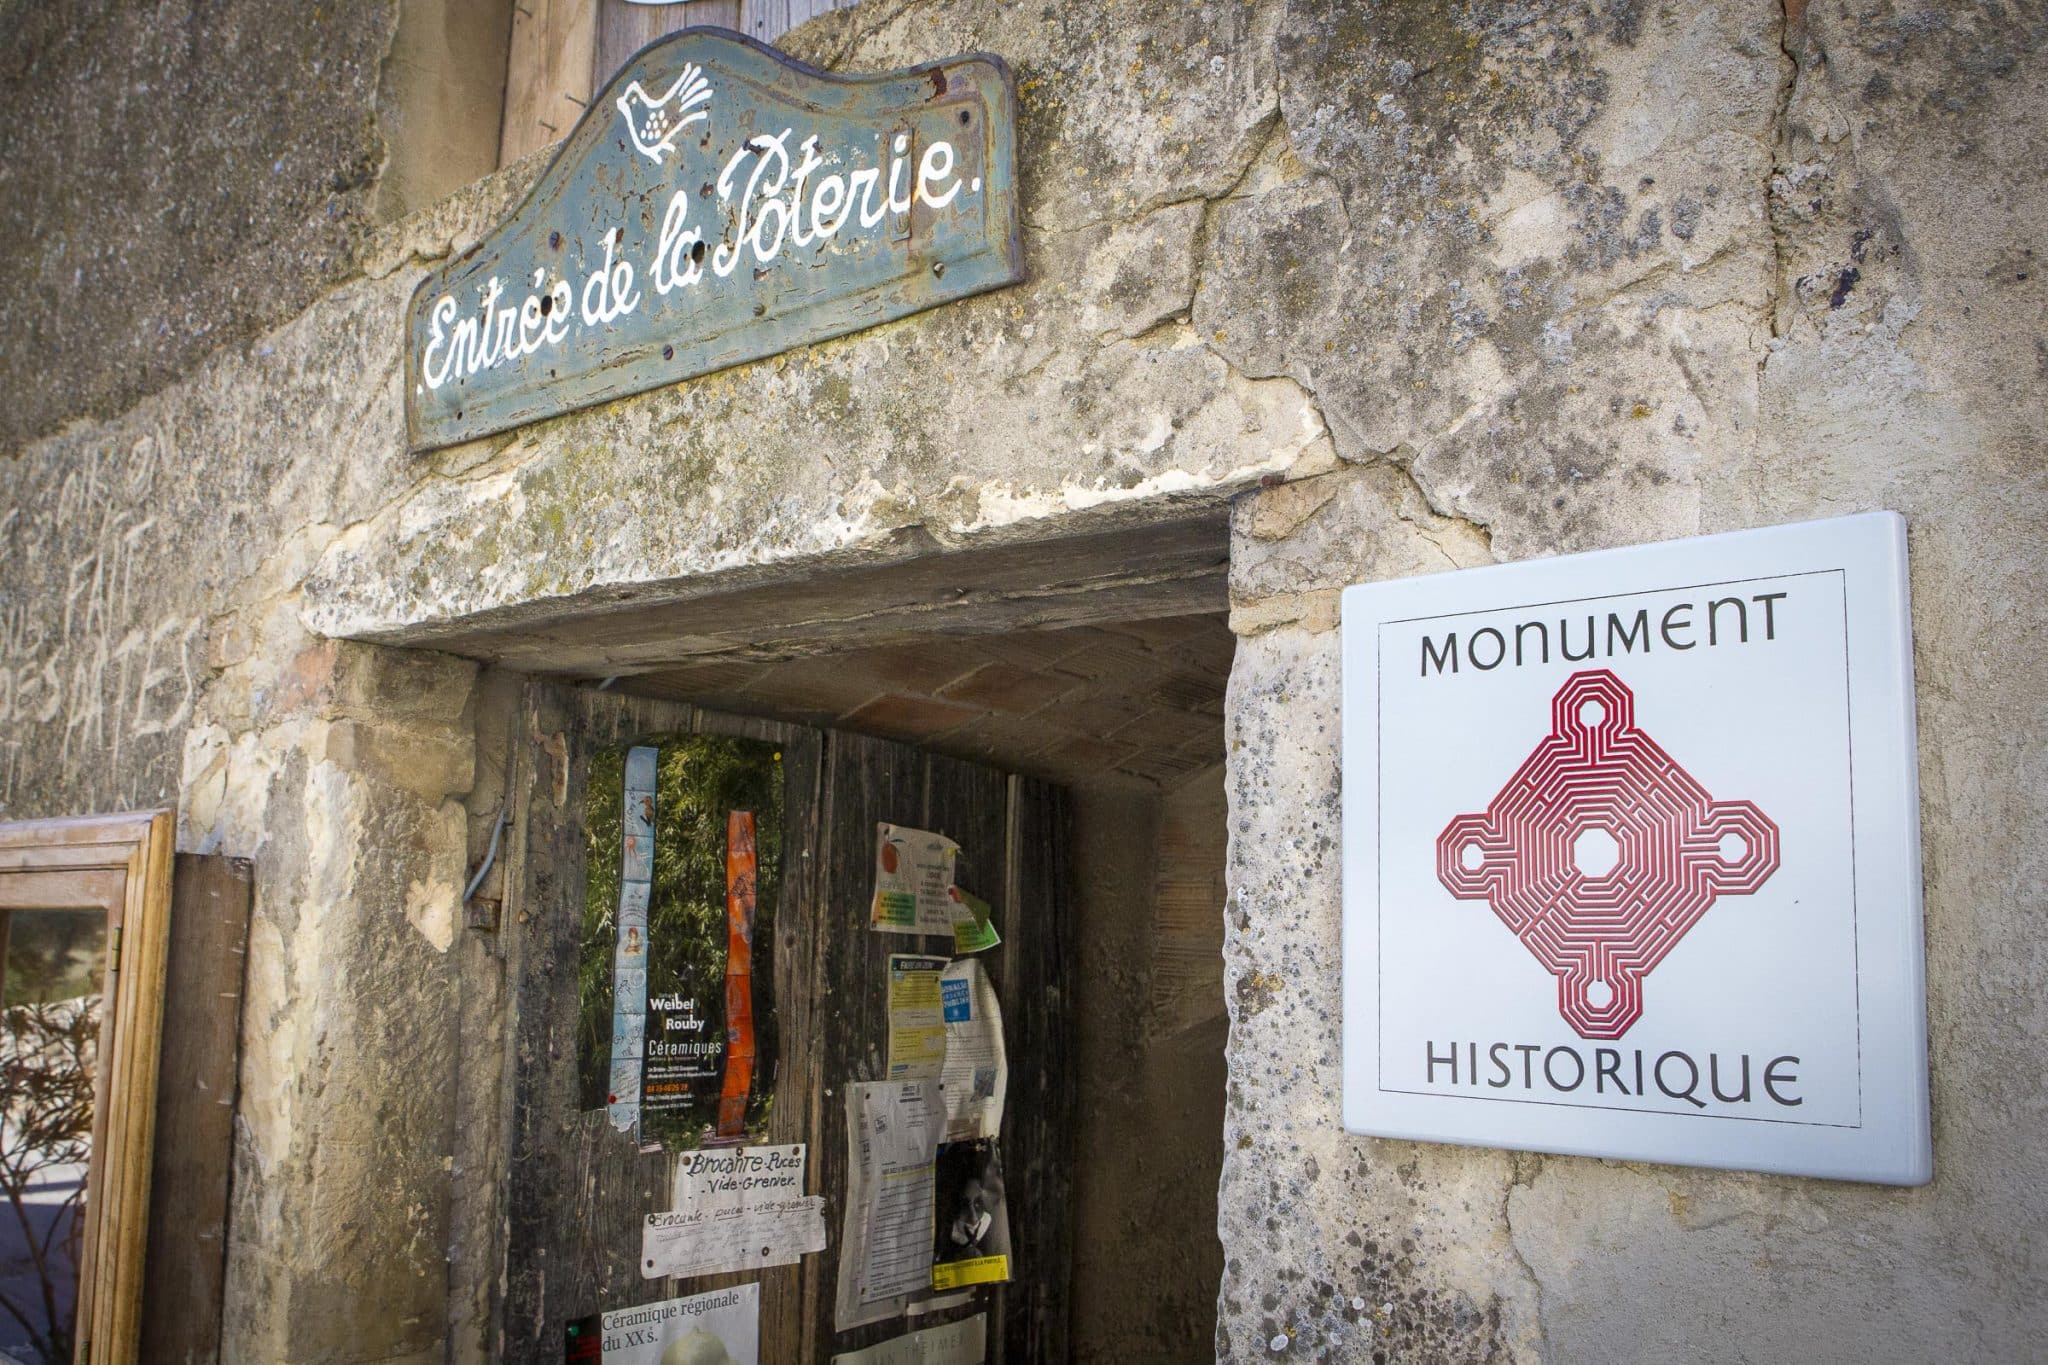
(1269, 136)
(863, 32)
(1270, 140)
(1440, 505)
(1528, 1167)
(1791, 38)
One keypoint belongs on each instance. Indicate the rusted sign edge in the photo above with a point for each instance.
(642, 367)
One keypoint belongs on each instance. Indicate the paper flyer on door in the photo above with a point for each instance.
(719, 1328)
(917, 1023)
(736, 1208)
(885, 1253)
(629, 967)
(971, 1224)
(913, 874)
(954, 1343)
(976, 1074)
(974, 928)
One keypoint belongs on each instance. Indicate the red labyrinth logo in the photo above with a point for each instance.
(1601, 852)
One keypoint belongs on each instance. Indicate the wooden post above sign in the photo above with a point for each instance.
(718, 203)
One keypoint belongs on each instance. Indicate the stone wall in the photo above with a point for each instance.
(177, 577)
(1587, 276)
(1421, 285)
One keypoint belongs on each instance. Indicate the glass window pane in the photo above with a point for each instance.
(49, 1035)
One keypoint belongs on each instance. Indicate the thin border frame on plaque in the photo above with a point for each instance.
(121, 865)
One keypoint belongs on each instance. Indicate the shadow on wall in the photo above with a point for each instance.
(1152, 1029)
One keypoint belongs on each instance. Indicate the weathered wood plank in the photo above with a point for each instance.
(624, 28)
(548, 78)
(580, 1187)
(767, 20)
(138, 998)
(563, 50)
(581, 1190)
(83, 888)
(102, 832)
(790, 975)
(867, 781)
(798, 917)
(485, 1059)
(1039, 1119)
(541, 951)
(969, 803)
(185, 1267)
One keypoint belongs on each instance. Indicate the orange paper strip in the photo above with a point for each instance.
(739, 973)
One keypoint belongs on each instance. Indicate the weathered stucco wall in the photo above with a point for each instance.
(1467, 282)
(1587, 276)
(1085, 394)
(172, 177)
(175, 178)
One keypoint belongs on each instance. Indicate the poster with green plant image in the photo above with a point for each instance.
(708, 1005)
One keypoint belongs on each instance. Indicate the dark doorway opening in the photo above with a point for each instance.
(1128, 717)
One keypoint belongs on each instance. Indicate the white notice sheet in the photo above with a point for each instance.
(893, 1130)
(736, 1208)
(977, 1071)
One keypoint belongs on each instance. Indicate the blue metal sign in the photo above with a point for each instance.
(718, 203)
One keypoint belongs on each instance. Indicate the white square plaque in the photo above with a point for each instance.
(1632, 856)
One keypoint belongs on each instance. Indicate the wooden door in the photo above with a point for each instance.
(578, 1191)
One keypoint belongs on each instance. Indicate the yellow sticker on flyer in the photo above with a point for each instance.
(980, 1270)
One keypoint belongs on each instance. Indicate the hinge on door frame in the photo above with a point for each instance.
(114, 951)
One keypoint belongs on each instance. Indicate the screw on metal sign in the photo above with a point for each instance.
(1601, 852)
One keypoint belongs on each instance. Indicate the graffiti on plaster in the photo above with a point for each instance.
(756, 204)
(102, 667)
(101, 682)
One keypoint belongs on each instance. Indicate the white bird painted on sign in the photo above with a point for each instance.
(654, 124)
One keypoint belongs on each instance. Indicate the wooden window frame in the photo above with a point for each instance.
(119, 865)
